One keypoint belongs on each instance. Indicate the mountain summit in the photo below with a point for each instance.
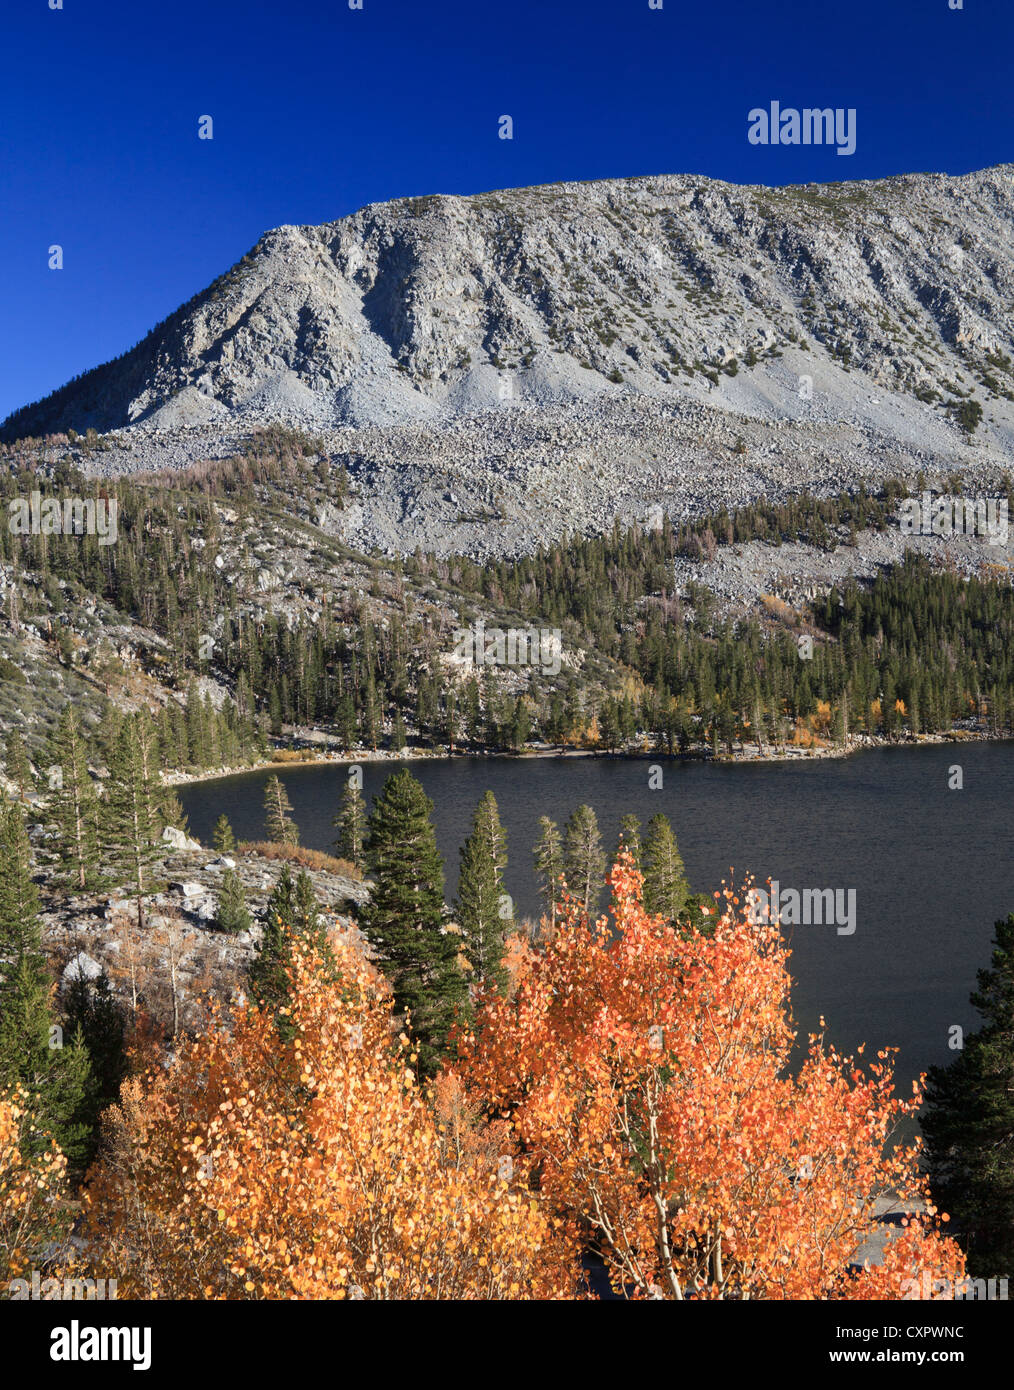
(426, 309)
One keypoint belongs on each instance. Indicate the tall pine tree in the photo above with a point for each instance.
(74, 804)
(548, 852)
(267, 972)
(666, 891)
(33, 1052)
(630, 838)
(281, 828)
(134, 818)
(350, 822)
(968, 1122)
(481, 895)
(404, 918)
(16, 764)
(584, 859)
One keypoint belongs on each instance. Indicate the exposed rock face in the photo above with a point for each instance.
(89, 934)
(425, 309)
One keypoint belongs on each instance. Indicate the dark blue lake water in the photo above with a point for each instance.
(931, 867)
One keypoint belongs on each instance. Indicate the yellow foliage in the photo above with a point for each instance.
(32, 1190)
(313, 1168)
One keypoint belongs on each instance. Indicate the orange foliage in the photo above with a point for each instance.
(313, 1168)
(517, 959)
(32, 1191)
(645, 1075)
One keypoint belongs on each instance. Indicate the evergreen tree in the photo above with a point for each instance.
(74, 804)
(307, 919)
(481, 895)
(268, 980)
(281, 903)
(398, 735)
(19, 897)
(232, 916)
(345, 722)
(171, 812)
(666, 890)
(549, 866)
(584, 859)
(33, 1053)
(197, 730)
(968, 1121)
(292, 911)
(133, 820)
(281, 828)
(16, 764)
(350, 822)
(630, 837)
(403, 919)
(92, 1016)
(222, 837)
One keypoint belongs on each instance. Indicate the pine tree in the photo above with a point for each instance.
(666, 890)
(350, 822)
(134, 807)
(32, 1049)
(307, 919)
(398, 735)
(16, 764)
(481, 896)
(232, 916)
(74, 804)
(345, 722)
(19, 897)
(630, 837)
(222, 837)
(281, 828)
(584, 859)
(197, 731)
(292, 911)
(968, 1121)
(171, 812)
(92, 1016)
(281, 903)
(267, 973)
(549, 866)
(403, 919)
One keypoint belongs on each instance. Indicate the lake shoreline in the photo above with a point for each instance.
(743, 754)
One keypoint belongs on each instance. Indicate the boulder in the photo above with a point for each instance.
(188, 889)
(82, 967)
(178, 839)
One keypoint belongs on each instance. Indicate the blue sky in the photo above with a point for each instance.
(319, 109)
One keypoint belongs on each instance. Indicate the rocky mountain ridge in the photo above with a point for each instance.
(430, 309)
(496, 371)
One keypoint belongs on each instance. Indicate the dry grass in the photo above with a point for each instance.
(305, 858)
(778, 609)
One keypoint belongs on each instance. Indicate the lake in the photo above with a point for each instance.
(930, 866)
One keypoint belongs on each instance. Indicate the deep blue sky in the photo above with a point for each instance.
(319, 109)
